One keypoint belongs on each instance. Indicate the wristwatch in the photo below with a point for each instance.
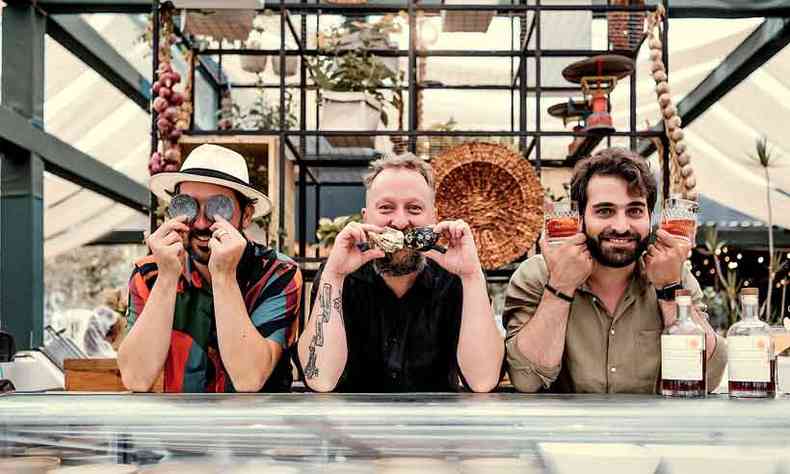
(667, 293)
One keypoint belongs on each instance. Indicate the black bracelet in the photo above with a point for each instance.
(667, 293)
(559, 294)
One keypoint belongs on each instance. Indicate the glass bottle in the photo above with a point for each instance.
(781, 337)
(683, 354)
(750, 352)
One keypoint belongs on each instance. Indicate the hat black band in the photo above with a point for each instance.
(214, 174)
(209, 173)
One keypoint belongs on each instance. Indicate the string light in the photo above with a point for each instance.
(732, 265)
(726, 259)
(739, 256)
(724, 249)
(760, 259)
(705, 262)
(697, 273)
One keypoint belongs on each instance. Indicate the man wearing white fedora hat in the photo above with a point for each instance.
(212, 310)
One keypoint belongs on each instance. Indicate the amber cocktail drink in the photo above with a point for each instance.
(679, 218)
(562, 221)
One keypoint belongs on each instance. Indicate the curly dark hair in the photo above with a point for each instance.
(619, 162)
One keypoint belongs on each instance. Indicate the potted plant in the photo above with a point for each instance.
(255, 64)
(329, 228)
(262, 37)
(355, 35)
(351, 83)
(262, 114)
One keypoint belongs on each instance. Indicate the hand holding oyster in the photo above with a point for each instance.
(392, 240)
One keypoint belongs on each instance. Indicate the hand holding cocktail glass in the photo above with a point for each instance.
(679, 218)
(561, 221)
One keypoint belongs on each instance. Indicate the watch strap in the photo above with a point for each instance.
(559, 294)
(667, 293)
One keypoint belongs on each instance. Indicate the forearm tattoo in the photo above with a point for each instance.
(325, 305)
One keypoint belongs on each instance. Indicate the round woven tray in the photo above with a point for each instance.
(497, 193)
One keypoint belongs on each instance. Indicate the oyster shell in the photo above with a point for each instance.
(420, 238)
(390, 241)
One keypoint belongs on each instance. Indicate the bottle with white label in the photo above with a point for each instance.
(750, 352)
(683, 354)
(781, 337)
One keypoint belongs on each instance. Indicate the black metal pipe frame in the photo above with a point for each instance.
(503, 9)
(433, 53)
(512, 72)
(522, 82)
(413, 86)
(538, 83)
(303, 170)
(283, 159)
(680, 8)
(204, 70)
(154, 114)
(358, 163)
(423, 86)
(423, 133)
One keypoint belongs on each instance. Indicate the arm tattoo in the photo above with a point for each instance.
(325, 303)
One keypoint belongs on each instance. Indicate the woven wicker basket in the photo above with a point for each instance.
(497, 193)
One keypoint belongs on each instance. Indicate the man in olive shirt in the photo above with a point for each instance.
(586, 316)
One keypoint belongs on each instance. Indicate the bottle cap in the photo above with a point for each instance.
(750, 291)
(682, 292)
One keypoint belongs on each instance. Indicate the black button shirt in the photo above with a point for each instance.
(406, 344)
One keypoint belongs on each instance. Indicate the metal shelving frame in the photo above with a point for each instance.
(294, 141)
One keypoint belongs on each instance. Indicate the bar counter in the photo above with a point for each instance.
(501, 432)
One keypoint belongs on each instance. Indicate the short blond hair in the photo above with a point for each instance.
(407, 161)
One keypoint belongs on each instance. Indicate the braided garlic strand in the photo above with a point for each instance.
(682, 176)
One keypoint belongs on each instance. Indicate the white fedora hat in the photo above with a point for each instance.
(212, 164)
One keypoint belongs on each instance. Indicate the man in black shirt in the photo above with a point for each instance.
(401, 322)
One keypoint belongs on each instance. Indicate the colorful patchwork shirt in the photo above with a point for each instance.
(271, 285)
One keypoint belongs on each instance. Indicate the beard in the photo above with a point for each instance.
(200, 252)
(402, 262)
(613, 256)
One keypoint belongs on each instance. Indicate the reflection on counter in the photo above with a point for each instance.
(433, 433)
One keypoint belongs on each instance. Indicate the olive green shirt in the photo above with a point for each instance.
(604, 353)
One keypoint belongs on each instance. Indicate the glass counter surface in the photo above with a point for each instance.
(405, 432)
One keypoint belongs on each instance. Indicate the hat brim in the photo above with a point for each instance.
(164, 184)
